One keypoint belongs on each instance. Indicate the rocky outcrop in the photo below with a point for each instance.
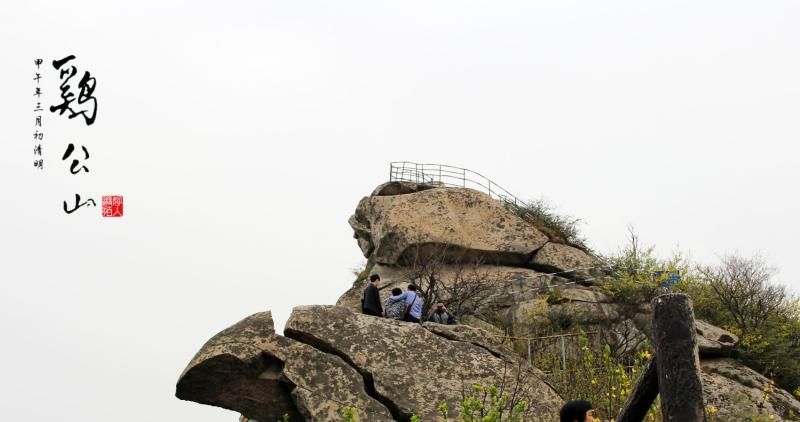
(623, 326)
(401, 188)
(559, 257)
(249, 369)
(737, 393)
(414, 368)
(714, 341)
(401, 222)
(467, 221)
(231, 371)
(332, 358)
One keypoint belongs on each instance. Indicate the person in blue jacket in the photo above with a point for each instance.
(414, 303)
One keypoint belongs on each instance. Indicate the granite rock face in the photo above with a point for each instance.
(714, 341)
(232, 371)
(412, 367)
(332, 358)
(463, 219)
(741, 394)
(249, 369)
(560, 257)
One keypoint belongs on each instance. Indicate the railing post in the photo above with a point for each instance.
(530, 360)
(563, 355)
(678, 367)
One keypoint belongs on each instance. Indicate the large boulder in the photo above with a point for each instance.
(401, 188)
(714, 341)
(583, 294)
(231, 371)
(249, 369)
(413, 367)
(469, 222)
(570, 260)
(737, 393)
(571, 305)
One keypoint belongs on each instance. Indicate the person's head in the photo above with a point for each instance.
(412, 287)
(397, 291)
(374, 278)
(576, 411)
(439, 307)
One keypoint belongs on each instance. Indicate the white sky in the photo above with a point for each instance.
(242, 135)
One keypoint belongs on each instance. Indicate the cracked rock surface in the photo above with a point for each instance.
(465, 219)
(332, 358)
(249, 369)
(740, 393)
(414, 368)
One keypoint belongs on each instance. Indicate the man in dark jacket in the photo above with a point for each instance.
(441, 316)
(371, 302)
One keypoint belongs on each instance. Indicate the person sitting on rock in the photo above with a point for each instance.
(440, 315)
(371, 302)
(395, 305)
(577, 411)
(414, 304)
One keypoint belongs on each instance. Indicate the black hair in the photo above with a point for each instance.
(575, 411)
(374, 277)
(412, 287)
(396, 291)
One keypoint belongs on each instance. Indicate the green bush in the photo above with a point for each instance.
(636, 273)
(599, 377)
(558, 228)
(349, 414)
(487, 404)
(737, 294)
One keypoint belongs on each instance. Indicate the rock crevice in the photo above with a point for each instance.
(249, 369)
(369, 382)
(397, 355)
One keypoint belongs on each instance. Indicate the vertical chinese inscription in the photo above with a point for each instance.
(38, 131)
(76, 89)
(77, 98)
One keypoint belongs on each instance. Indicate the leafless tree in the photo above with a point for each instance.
(744, 286)
(623, 338)
(452, 275)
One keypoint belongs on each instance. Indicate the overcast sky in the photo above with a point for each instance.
(243, 133)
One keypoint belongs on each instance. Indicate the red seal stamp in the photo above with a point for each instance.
(112, 206)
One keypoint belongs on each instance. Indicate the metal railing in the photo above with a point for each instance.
(444, 175)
